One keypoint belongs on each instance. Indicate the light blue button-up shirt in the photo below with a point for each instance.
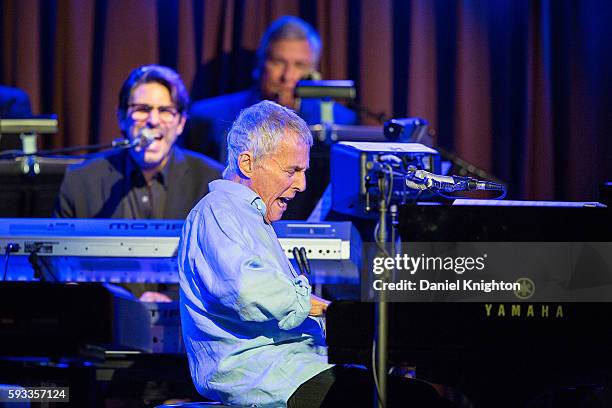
(244, 309)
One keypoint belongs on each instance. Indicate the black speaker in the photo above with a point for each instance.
(23, 195)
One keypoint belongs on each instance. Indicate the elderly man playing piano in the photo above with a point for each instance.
(252, 328)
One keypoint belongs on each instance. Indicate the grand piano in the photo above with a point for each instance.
(499, 354)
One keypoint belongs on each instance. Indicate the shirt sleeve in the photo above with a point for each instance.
(253, 283)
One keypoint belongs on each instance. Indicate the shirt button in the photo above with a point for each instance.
(145, 199)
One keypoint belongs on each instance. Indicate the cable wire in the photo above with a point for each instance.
(7, 253)
(376, 383)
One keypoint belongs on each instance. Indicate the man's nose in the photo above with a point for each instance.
(153, 119)
(291, 74)
(300, 183)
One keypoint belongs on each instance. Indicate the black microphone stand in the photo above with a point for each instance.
(382, 308)
(386, 248)
(115, 144)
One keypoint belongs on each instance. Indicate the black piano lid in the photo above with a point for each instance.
(438, 223)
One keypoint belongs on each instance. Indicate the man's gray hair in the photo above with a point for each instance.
(260, 129)
(286, 28)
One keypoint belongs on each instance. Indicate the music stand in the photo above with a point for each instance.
(28, 129)
(326, 91)
(353, 133)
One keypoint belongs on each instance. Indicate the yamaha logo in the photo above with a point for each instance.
(524, 310)
(527, 288)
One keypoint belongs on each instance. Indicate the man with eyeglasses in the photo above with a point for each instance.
(153, 180)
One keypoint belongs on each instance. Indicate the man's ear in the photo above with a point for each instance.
(124, 129)
(181, 125)
(246, 163)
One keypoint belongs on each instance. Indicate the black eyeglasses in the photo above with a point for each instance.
(140, 112)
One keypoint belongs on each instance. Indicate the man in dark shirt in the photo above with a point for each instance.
(158, 180)
(149, 181)
(289, 50)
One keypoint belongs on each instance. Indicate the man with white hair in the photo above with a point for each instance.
(252, 328)
(289, 51)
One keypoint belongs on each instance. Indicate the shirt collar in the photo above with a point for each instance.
(163, 175)
(241, 191)
(135, 172)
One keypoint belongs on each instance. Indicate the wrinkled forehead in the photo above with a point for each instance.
(293, 150)
(287, 141)
(298, 136)
(292, 49)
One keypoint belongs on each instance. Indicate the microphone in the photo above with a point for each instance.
(305, 261)
(145, 137)
(298, 260)
(421, 180)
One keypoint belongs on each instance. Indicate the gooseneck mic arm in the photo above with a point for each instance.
(144, 139)
(115, 144)
(421, 179)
